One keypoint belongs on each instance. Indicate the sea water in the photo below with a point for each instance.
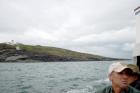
(54, 77)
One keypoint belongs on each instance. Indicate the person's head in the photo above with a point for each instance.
(119, 74)
(135, 74)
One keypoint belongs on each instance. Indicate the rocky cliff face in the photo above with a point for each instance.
(13, 55)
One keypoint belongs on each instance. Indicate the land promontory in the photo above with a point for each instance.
(36, 53)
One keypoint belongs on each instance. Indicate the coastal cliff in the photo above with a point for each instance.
(30, 53)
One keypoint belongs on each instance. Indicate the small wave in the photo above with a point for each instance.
(72, 79)
(26, 87)
(50, 76)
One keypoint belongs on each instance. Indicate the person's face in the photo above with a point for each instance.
(132, 78)
(121, 79)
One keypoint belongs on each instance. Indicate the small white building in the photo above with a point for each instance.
(11, 43)
(136, 53)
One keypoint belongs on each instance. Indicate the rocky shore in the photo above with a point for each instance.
(28, 53)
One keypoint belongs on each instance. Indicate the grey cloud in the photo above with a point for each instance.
(93, 26)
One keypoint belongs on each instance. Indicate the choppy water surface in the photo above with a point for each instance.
(53, 77)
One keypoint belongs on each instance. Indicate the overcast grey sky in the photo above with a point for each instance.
(103, 27)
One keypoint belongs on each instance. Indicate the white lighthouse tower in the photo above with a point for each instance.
(136, 53)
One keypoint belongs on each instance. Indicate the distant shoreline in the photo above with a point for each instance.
(26, 53)
(60, 61)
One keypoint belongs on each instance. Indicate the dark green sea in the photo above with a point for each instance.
(54, 77)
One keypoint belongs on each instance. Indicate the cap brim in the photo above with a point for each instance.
(121, 69)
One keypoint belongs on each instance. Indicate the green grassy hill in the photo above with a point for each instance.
(43, 53)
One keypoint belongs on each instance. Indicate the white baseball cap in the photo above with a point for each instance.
(117, 67)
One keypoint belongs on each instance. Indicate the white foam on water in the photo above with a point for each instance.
(102, 81)
(87, 89)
